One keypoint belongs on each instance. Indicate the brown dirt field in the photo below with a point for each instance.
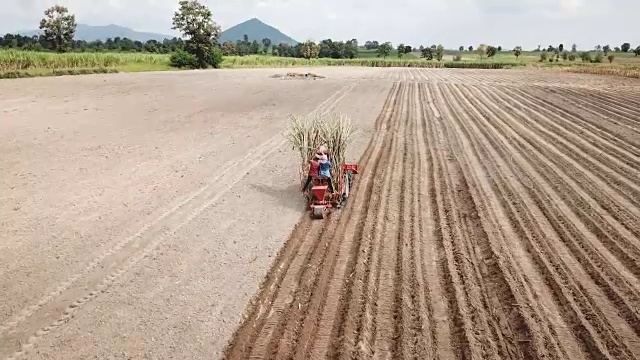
(497, 215)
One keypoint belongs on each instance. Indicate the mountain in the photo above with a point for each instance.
(91, 33)
(255, 30)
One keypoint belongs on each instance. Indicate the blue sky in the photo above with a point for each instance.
(416, 22)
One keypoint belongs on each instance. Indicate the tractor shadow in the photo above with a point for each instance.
(289, 197)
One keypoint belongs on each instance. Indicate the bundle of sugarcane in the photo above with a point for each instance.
(336, 131)
(305, 137)
(309, 133)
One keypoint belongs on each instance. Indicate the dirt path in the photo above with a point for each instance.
(486, 224)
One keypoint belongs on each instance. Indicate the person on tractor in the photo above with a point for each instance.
(314, 171)
(325, 170)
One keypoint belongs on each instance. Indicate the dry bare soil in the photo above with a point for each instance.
(497, 215)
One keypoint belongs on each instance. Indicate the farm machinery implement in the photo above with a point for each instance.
(321, 201)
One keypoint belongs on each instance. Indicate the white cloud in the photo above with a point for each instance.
(450, 22)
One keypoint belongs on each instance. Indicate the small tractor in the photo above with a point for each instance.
(321, 201)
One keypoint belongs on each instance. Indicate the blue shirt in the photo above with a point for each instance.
(324, 169)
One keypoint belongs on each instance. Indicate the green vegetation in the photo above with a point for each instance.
(12, 60)
(59, 27)
(194, 21)
(274, 61)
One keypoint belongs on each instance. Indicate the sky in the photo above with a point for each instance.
(453, 23)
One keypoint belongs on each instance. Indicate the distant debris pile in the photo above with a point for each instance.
(301, 76)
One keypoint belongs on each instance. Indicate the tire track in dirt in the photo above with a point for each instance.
(90, 283)
(575, 292)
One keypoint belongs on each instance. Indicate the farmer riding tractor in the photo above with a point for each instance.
(324, 195)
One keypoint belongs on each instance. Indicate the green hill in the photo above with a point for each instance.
(255, 30)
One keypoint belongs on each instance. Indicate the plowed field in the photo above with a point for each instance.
(151, 216)
(491, 220)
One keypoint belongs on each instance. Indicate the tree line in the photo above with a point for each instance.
(117, 44)
(202, 48)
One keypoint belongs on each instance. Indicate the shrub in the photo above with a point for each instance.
(585, 56)
(610, 58)
(183, 60)
(457, 58)
(599, 57)
(214, 58)
(543, 56)
(572, 57)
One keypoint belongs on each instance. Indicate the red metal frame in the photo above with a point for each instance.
(318, 193)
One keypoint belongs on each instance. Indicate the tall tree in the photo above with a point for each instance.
(266, 44)
(228, 48)
(491, 51)
(59, 27)
(309, 50)
(517, 51)
(482, 51)
(561, 47)
(574, 48)
(461, 48)
(193, 20)
(400, 50)
(427, 53)
(384, 49)
(439, 52)
(255, 47)
(625, 47)
(351, 49)
(470, 48)
(606, 49)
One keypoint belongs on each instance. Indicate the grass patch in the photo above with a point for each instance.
(15, 63)
(12, 60)
(272, 61)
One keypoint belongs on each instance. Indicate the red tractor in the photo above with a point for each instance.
(321, 201)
